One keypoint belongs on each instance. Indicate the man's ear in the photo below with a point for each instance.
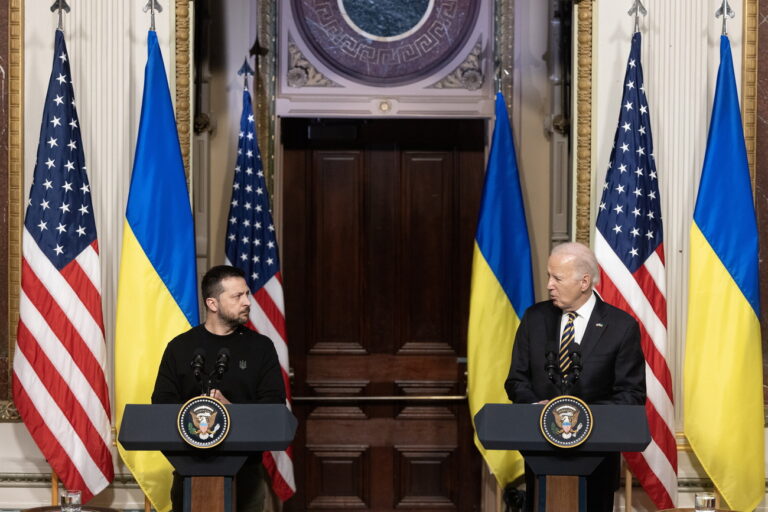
(210, 302)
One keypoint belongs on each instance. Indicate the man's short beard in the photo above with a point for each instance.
(233, 321)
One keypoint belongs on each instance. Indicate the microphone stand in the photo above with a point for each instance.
(550, 366)
(197, 364)
(221, 367)
(570, 379)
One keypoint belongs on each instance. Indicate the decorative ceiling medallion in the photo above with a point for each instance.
(378, 48)
(386, 20)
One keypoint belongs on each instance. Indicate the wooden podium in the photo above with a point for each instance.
(208, 473)
(561, 472)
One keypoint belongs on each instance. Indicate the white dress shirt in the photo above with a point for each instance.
(580, 322)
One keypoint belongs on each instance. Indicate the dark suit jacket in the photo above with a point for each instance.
(613, 367)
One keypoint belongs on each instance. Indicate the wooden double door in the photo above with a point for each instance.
(379, 222)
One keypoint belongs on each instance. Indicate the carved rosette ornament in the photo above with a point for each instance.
(467, 75)
(8, 411)
(302, 73)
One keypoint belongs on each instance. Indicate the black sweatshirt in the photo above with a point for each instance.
(253, 375)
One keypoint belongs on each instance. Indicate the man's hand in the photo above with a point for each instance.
(218, 395)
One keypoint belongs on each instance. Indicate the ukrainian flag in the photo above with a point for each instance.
(502, 286)
(723, 397)
(157, 290)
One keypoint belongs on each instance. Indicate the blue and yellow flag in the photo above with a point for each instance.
(157, 290)
(723, 396)
(502, 286)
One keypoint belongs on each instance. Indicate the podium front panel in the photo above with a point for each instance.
(253, 428)
(516, 427)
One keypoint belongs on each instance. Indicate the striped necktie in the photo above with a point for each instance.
(565, 342)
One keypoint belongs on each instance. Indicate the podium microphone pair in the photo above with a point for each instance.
(219, 369)
(551, 367)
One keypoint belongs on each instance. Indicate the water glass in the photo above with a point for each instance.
(704, 502)
(70, 501)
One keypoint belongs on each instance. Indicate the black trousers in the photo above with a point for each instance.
(601, 485)
(250, 487)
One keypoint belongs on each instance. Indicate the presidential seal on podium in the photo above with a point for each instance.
(203, 422)
(566, 421)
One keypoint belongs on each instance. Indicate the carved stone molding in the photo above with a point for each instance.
(15, 81)
(121, 481)
(302, 73)
(505, 46)
(584, 13)
(749, 82)
(264, 90)
(183, 85)
(467, 75)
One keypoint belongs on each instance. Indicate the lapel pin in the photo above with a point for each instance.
(599, 324)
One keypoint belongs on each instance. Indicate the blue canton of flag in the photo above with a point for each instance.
(630, 212)
(251, 244)
(59, 211)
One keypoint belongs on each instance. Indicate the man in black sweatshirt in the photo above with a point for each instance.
(254, 374)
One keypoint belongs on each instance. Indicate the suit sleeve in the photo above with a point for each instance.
(519, 385)
(629, 382)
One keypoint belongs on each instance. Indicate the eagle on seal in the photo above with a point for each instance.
(202, 422)
(566, 422)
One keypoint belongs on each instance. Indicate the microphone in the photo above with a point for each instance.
(550, 366)
(576, 360)
(197, 363)
(222, 362)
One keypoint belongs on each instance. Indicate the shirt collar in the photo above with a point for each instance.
(585, 311)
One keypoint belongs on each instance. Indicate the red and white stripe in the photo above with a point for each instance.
(59, 383)
(643, 295)
(267, 317)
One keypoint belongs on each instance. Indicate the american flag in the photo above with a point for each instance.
(59, 384)
(251, 245)
(630, 250)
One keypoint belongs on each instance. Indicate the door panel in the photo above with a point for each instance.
(378, 237)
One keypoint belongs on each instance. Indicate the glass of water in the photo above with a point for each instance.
(70, 501)
(704, 502)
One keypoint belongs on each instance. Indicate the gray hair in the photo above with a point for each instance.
(584, 259)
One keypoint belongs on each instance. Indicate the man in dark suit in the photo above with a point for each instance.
(577, 344)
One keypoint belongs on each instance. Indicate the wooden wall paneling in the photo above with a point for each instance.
(390, 209)
(427, 237)
(383, 282)
(336, 287)
(427, 476)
